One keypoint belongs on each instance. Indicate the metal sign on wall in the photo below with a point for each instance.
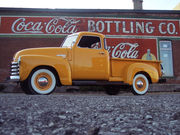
(127, 37)
(107, 26)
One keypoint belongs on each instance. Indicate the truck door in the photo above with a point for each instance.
(90, 59)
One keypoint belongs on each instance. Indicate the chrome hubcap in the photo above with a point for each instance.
(140, 84)
(43, 81)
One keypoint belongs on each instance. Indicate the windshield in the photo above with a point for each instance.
(69, 41)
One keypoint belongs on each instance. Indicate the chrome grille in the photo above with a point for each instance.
(14, 73)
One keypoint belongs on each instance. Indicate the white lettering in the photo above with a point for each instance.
(161, 26)
(117, 25)
(100, 26)
(124, 27)
(19, 26)
(149, 28)
(171, 28)
(132, 27)
(91, 26)
(119, 52)
(139, 27)
(22, 26)
(108, 25)
(67, 28)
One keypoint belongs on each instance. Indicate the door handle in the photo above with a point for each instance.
(102, 53)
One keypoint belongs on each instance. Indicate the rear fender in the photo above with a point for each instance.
(135, 68)
(61, 65)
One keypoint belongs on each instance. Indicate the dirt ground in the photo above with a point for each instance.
(90, 114)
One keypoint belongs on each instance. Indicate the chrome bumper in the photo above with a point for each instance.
(14, 73)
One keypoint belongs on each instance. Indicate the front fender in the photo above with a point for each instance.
(61, 65)
(133, 69)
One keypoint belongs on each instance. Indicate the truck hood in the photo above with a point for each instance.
(42, 51)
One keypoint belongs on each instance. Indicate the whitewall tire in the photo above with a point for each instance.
(42, 81)
(140, 84)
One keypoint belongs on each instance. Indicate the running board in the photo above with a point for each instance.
(95, 83)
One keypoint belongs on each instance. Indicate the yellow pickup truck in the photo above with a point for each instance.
(82, 59)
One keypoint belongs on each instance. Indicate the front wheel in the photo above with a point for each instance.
(140, 84)
(42, 82)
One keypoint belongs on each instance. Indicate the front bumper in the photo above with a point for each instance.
(14, 73)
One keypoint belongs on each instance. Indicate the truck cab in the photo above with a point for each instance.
(90, 59)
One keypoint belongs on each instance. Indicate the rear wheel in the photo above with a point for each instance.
(140, 84)
(42, 81)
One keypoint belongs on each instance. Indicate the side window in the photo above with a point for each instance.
(90, 42)
(166, 57)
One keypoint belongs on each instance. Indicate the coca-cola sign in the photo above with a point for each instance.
(132, 48)
(67, 26)
(108, 26)
(119, 51)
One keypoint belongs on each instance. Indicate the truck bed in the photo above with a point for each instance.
(120, 66)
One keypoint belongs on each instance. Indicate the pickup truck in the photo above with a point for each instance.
(82, 59)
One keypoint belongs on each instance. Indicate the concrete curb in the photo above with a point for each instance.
(164, 88)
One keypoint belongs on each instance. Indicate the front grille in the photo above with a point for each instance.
(14, 73)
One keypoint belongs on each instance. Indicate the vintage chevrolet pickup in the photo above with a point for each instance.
(82, 59)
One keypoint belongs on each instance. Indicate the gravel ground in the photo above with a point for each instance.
(68, 114)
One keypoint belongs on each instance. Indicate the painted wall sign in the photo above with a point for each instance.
(107, 26)
(132, 48)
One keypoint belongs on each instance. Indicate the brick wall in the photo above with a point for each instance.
(9, 46)
(176, 61)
